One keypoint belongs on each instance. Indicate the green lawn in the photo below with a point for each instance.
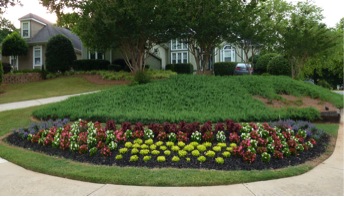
(135, 176)
(47, 88)
(193, 98)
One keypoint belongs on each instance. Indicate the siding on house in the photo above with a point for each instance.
(40, 31)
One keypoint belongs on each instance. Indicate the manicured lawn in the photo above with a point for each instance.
(193, 98)
(47, 88)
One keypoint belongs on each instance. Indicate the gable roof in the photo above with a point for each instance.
(49, 30)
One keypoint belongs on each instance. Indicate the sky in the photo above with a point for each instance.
(332, 10)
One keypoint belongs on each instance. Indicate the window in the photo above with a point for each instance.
(25, 30)
(177, 45)
(37, 56)
(94, 55)
(179, 57)
(228, 54)
(14, 62)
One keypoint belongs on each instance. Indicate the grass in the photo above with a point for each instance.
(193, 98)
(39, 162)
(133, 176)
(47, 88)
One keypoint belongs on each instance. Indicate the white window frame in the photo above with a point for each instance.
(176, 44)
(183, 55)
(28, 29)
(34, 56)
(96, 55)
(231, 51)
(15, 65)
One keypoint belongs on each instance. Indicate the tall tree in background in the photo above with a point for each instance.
(134, 26)
(203, 25)
(6, 27)
(305, 37)
(257, 26)
(328, 64)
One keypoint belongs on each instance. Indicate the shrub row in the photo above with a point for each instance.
(88, 65)
(224, 68)
(180, 68)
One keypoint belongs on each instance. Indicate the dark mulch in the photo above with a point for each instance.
(232, 163)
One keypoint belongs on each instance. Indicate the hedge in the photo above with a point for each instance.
(59, 54)
(1, 73)
(224, 68)
(181, 68)
(6, 67)
(87, 65)
(262, 63)
(279, 66)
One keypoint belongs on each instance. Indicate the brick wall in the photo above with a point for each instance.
(21, 78)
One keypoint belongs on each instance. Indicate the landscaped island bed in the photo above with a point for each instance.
(222, 146)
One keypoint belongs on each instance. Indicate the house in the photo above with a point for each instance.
(173, 52)
(37, 31)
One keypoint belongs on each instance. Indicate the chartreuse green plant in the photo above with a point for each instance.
(175, 159)
(119, 157)
(219, 160)
(226, 154)
(161, 159)
(123, 150)
(201, 159)
(163, 148)
(147, 158)
(201, 148)
(155, 152)
(167, 152)
(144, 152)
(195, 153)
(134, 158)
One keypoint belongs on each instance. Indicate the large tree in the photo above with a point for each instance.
(257, 26)
(6, 27)
(305, 36)
(14, 45)
(202, 25)
(328, 64)
(134, 26)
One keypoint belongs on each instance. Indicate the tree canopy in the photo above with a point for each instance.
(14, 45)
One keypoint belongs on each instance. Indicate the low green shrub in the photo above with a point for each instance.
(323, 83)
(142, 77)
(224, 68)
(279, 65)
(1, 73)
(175, 159)
(262, 63)
(88, 65)
(180, 68)
(6, 67)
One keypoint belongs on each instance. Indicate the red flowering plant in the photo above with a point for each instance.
(245, 140)
(182, 137)
(234, 137)
(208, 136)
(162, 136)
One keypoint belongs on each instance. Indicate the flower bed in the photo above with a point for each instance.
(227, 145)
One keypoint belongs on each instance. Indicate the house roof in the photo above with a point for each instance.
(49, 30)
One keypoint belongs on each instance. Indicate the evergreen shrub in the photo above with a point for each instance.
(224, 68)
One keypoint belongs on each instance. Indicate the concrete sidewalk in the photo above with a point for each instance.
(324, 180)
(36, 102)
